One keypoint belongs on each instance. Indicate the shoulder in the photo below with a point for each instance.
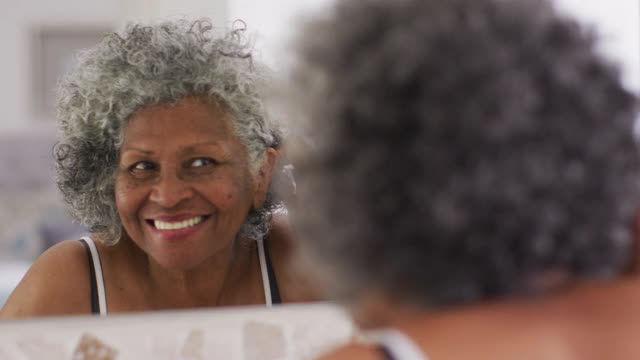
(56, 284)
(294, 282)
(353, 352)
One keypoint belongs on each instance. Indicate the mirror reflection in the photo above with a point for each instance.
(85, 184)
(166, 156)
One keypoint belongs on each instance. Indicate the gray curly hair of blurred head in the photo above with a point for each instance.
(461, 148)
(143, 66)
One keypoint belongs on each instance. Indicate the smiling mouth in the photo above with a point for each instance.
(177, 225)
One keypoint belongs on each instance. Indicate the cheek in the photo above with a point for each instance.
(225, 196)
(126, 195)
(229, 194)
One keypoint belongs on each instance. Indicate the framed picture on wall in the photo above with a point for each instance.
(54, 51)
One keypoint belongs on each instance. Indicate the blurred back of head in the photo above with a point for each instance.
(461, 148)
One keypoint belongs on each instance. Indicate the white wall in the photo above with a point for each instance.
(145, 10)
(273, 23)
(618, 25)
(618, 22)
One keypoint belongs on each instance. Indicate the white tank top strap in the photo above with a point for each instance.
(398, 345)
(99, 279)
(266, 285)
(97, 267)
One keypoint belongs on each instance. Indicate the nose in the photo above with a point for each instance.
(169, 190)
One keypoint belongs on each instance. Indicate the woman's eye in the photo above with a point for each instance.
(142, 166)
(201, 162)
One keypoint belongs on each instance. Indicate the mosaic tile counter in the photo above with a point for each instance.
(290, 332)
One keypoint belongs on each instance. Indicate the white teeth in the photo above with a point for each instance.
(163, 225)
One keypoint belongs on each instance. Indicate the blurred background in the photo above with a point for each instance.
(39, 40)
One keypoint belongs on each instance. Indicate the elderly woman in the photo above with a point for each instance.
(166, 156)
(474, 181)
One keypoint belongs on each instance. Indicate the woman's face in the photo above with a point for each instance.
(183, 187)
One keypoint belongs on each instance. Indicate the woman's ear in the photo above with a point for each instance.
(263, 177)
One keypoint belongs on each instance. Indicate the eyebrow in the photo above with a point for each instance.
(206, 143)
(129, 148)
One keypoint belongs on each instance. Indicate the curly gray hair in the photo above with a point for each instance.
(461, 148)
(148, 65)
